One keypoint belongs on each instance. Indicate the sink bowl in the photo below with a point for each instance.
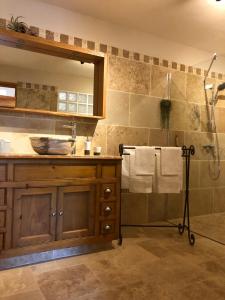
(46, 145)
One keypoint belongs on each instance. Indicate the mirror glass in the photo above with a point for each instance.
(45, 82)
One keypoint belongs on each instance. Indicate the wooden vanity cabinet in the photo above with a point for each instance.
(76, 212)
(50, 203)
(34, 216)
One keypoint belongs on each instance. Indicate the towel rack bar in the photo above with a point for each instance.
(187, 152)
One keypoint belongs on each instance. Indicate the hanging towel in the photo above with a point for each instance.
(167, 184)
(144, 160)
(138, 184)
(171, 160)
(125, 171)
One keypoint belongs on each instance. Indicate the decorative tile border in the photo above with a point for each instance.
(36, 86)
(77, 41)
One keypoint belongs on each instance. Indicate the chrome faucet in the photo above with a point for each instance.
(73, 127)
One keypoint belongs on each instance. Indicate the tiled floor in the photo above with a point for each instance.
(212, 226)
(153, 264)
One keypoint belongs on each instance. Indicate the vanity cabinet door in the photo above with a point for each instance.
(34, 213)
(76, 212)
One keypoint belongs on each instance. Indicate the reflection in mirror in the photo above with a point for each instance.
(45, 82)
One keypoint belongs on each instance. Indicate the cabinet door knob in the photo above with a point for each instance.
(108, 209)
(107, 227)
(53, 214)
(61, 213)
(108, 191)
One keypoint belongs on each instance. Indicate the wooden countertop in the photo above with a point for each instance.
(66, 157)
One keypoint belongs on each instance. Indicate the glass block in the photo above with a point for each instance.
(72, 97)
(62, 106)
(90, 99)
(82, 98)
(82, 109)
(72, 107)
(62, 96)
(90, 110)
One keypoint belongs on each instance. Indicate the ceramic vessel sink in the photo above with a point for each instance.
(47, 145)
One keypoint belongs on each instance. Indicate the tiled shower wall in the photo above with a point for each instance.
(136, 84)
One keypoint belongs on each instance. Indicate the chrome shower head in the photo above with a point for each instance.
(210, 66)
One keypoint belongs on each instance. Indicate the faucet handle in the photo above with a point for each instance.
(72, 124)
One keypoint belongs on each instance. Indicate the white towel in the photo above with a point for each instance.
(125, 171)
(138, 184)
(167, 184)
(144, 160)
(171, 160)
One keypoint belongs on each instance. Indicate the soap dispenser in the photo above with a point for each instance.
(87, 147)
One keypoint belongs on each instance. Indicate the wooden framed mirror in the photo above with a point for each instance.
(52, 78)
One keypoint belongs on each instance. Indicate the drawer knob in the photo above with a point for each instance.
(108, 191)
(108, 209)
(107, 227)
(53, 214)
(61, 213)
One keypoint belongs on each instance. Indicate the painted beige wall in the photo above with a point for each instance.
(63, 21)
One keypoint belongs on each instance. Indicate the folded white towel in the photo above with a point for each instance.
(171, 160)
(125, 171)
(144, 160)
(166, 184)
(138, 184)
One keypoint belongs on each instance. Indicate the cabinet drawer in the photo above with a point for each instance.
(107, 227)
(1, 241)
(108, 171)
(44, 172)
(2, 197)
(108, 209)
(2, 172)
(108, 190)
(2, 218)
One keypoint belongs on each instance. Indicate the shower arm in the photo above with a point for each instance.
(209, 68)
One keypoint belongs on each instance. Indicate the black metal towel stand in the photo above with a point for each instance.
(186, 153)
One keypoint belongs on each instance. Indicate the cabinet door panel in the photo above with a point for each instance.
(76, 210)
(34, 216)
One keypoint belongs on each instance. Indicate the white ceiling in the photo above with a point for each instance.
(196, 23)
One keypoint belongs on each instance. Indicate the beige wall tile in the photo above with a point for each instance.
(174, 206)
(157, 207)
(158, 137)
(159, 83)
(219, 200)
(194, 174)
(178, 116)
(176, 138)
(117, 108)
(125, 135)
(220, 119)
(136, 208)
(201, 202)
(193, 117)
(26, 124)
(199, 139)
(195, 88)
(206, 180)
(144, 111)
(129, 76)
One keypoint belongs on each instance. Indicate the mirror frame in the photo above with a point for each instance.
(37, 44)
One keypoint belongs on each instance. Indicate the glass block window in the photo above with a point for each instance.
(72, 102)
